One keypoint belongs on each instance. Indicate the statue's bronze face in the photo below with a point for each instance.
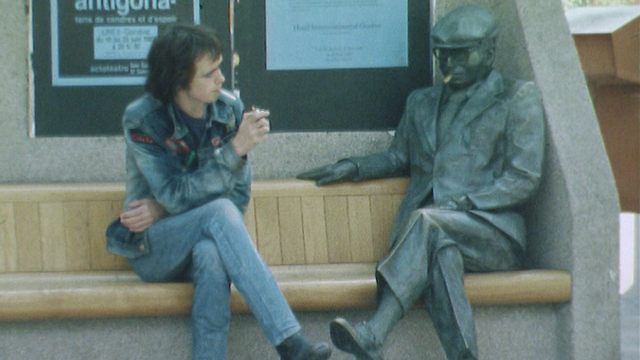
(463, 67)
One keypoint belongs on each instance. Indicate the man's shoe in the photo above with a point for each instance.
(298, 347)
(359, 340)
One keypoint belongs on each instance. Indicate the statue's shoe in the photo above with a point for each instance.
(359, 340)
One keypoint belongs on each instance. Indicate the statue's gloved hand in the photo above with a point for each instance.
(340, 171)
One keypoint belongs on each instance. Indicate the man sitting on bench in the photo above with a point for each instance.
(188, 184)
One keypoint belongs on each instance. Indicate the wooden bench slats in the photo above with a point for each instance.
(337, 222)
(383, 208)
(99, 301)
(321, 243)
(291, 233)
(28, 237)
(11, 193)
(307, 288)
(8, 243)
(519, 287)
(268, 230)
(53, 239)
(99, 213)
(292, 187)
(250, 221)
(360, 231)
(314, 229)
(15, 193)
(60, 227)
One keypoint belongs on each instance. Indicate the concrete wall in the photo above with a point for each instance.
(501, 331)
(573, 222)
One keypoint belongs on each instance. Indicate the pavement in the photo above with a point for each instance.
(630, 323)
(629, 288)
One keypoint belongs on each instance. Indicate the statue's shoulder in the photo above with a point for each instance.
(525, 99)
(519, 89)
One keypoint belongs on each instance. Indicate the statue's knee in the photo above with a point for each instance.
(433, 216)
(450, 253)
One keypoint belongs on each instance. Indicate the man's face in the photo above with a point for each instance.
(207, 81)
(463, 67)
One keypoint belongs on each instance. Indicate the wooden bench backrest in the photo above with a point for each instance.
(60, 227)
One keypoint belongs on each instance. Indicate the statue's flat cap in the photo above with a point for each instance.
(463, 27)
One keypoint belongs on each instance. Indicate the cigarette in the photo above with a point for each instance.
(447, 79)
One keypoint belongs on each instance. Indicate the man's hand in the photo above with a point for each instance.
(142, 214)
(252, 131)
(340, 171)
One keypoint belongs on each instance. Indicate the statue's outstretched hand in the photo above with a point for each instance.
(340, 171)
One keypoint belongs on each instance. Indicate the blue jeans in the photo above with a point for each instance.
(211, 246)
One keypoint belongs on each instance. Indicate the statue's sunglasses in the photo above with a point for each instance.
(456, 55)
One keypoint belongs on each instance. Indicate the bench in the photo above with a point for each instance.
(320, 242)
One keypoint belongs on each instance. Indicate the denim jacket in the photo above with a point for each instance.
(162, 166)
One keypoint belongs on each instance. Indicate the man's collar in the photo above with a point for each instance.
(179, 126)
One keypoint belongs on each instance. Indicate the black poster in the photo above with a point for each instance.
(105, 42)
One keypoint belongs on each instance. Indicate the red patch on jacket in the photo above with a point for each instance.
(140, 137)
(178, 146)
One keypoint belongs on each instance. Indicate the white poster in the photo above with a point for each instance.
(336, 34)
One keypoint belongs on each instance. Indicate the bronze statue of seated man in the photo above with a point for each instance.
(473, 148)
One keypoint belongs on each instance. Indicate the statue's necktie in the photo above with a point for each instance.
(448, 112)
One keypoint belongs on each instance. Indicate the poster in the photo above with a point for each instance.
(336, 34)
(105, 42)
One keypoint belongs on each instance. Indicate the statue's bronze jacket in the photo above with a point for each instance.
(489, 163)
